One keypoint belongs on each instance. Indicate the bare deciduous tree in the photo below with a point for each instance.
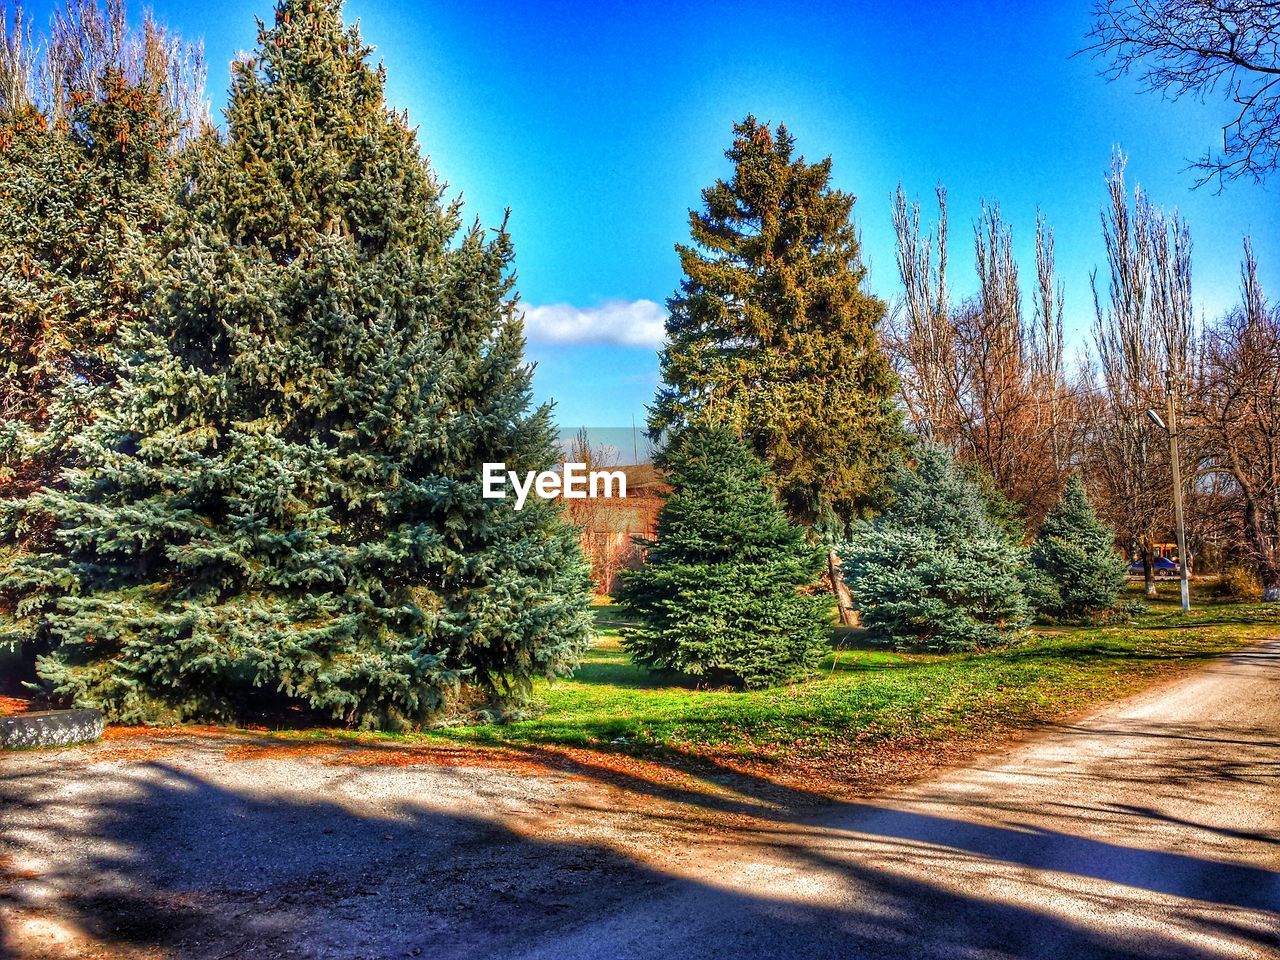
(1198, 48)
(1142, 334)
(984, 377)
(1049, 353)
(607, 550)
(922, 334)
(17, 61)
(1238, 412)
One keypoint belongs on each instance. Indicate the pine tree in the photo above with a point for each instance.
(723, 595)
(935, 571)
(282, 504)
(88, 161)
(92, 118)
(1076, 552)
(773, 332)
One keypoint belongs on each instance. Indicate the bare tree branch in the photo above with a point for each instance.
(1200, 48)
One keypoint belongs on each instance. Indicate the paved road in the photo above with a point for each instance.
(1149, 830)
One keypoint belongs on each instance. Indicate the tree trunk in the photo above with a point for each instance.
(844, 600)
(1148, 570)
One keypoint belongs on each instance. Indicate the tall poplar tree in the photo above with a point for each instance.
(773, 331)
(282, 504)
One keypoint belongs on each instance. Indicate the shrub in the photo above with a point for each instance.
(722, 594)
(1074, 552)
(1238, 583)
(935, 571)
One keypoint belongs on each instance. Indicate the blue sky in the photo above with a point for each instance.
(599, 123)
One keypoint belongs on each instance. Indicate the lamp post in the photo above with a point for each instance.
(1172, 430)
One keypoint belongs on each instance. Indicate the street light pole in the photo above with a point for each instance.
(1183, 570)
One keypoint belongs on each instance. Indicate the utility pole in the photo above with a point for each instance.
(1172, 430)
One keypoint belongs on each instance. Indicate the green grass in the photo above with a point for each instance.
(861, 696)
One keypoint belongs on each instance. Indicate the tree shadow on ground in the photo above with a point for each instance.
(839, 659)
(1176, 874)
(169, 860)
(1216, 616)
(1095, 650)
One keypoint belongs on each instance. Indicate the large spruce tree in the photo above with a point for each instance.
(936, 571)
(725, 592)
(93, 115)
(773, 332)
(91, 121)
(282, 503)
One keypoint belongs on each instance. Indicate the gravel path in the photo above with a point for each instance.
(1150, 829)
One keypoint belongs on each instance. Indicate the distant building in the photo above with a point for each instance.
(611, 527)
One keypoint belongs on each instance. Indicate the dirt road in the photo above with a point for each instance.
(1150, 830)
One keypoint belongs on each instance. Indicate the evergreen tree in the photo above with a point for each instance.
(724, 593)
(773, 332)
(1005, 514)
(88, 164)
(282, 502)
(92, 118)
(935, 570)
(1076, 553)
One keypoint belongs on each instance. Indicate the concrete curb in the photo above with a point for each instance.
(50, 728)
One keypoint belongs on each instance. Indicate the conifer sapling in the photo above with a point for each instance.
(935, 571)
(725, 592)
(1075, 551)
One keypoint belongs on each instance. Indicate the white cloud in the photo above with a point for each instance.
(629, 323)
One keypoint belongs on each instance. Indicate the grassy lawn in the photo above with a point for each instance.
(868, 698)
(864, 702)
